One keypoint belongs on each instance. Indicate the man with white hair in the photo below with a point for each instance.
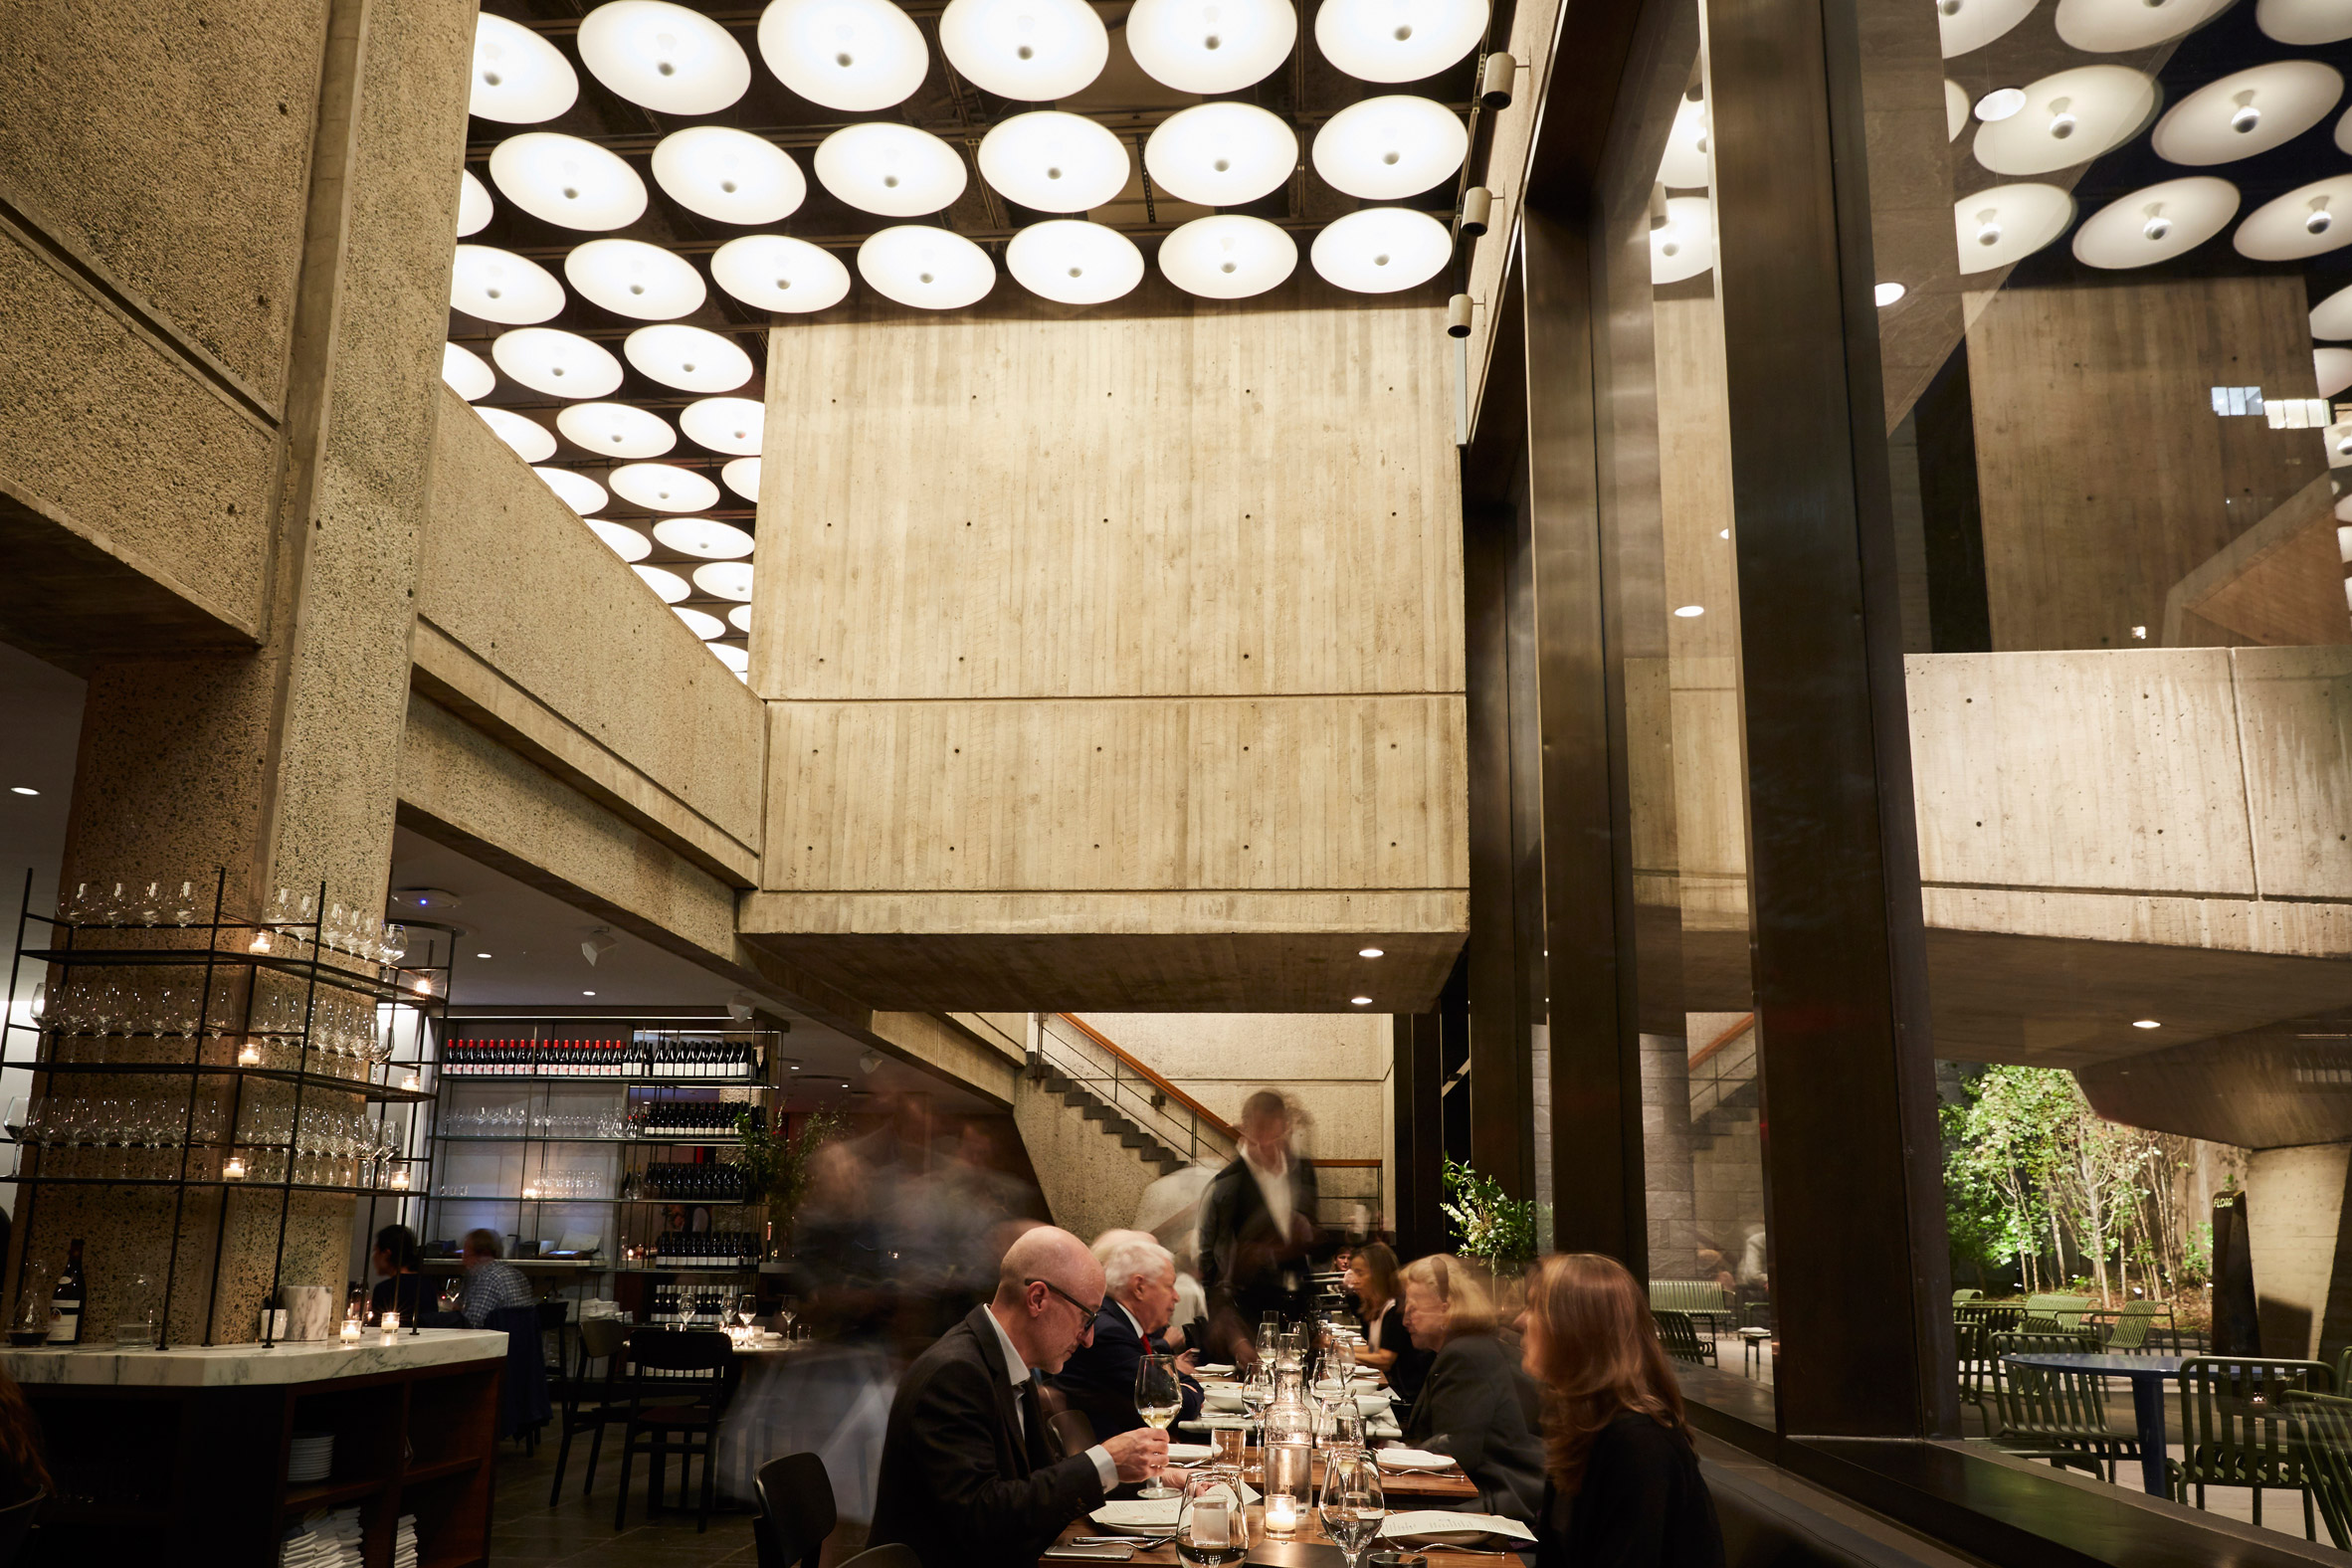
(1139, 1280)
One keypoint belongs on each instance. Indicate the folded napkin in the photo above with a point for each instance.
(1223, 1396)
(1414, 1459)
(1190, 1452)
(1146, 1514)
(1437, 1522)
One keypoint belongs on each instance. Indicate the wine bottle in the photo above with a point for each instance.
(65, 1302)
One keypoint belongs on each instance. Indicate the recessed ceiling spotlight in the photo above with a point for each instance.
(1889, 294)
(726, 580)
(1369, 952)
(1072, 261)
(2000, 103)
(930, 269)
(576, 491)
(687, 358)
(532, 442)
(663, 486)
(2247, 113)
(1690, 612)
(474, 207)
(725, 424)
(729, 654)
(890, 171)
(2156, 223)
(852, 55)
(701, 623)
(703, 537)
(1227, 257)
(2146, 1023)
(728, 174)
(559, 363)
(1361, 1001)
(1398, 40)
(616, 430)
(572, 183)
(2298, 224)
(742, 477)
(769, 271)
(587, 993)
(466, 372)
(502, 286)
(1211, 46)
(663, 582)
(1221, 154)
(2069, 119)
(1387, 149)
(633, 279)
(482, 955)
(1054, 161)
(664, 57)
(21, 789)
(519, 78)
(1381, 249)
(1028, 50)
(1684, 244)
(626, 542)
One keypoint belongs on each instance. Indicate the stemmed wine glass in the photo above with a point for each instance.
(1158, 1399)
(1352, 1504)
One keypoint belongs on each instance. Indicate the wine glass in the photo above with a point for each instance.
(1352, 1504)
(1158, 1399)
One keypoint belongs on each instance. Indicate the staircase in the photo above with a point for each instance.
(1166, 1127)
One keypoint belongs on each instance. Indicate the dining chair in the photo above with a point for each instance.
(695, 1363)
(895, 1555)
(1959, 1297)
(2128, 1334)
(2061, 1417)
(2322, 1431)
(590, 1399)
(1069, 1432)
(796, 1511)
(1680, 1334)
(2235, 1433)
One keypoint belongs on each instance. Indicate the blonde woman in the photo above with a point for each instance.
(1476, 1403)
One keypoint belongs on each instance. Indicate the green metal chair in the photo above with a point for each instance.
(2060, 1417)
(2052, 1313)
(1972, 1346)
(2128, 1334)
(2344, 1368)
(2235, 1433)
(1680, 1338)
(2320, 1428)
(1959, 1297)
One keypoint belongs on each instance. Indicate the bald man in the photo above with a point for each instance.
(966, 1477)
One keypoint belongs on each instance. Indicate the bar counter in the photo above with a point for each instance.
(232, 1366)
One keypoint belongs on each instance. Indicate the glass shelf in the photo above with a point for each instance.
(309, 1080)
(252, 1183)
(325, 971)
(730, 1141)
(633, 1081)
(602, 1203)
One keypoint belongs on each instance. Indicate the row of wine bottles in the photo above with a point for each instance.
(644, 1057)
(705, 1250)
(705, 1183)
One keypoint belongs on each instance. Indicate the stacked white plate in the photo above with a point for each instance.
(311, 1455)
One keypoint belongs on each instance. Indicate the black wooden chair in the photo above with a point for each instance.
(523, 1405)
(698, 1364)
(1069, 1432)
(796, 1512)
(592, 1395)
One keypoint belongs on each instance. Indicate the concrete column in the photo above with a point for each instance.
(1666, 1155)
(2302, 1255)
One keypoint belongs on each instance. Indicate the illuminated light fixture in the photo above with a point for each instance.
(1030, 50)
(705, 537)
(466, 372)
(21, 789)
(1370, 952)
(2001, 104)
(532, 442)
(726, 580)
(1387, 149)
(2069, 119)
(929, 269)
(2331, 317)
(770, 271)
(725, 424)
(502, 286)
(1398, 40)
(2305, 22)
(633, 279)
(2333, 368)
(1054, 161)
(687, 358)
(663, 486)
(2298, 413)
(626, 542)
(2111, 27)
(572, 183)
(1955, 109)
(1684, 244)
(1684, 165)
(559, 363)
(2156, 223)
(1360, 1001)
(2298, 224)
(1380, 250)
(587, 993)
(852, 55)
(576, 491)
(1221, 154)
(2247, 113)
(1211, 46)
(1965, 26)
(668, 584)
(616, 430)
(1690, 612)
(474, 207)
(2008, 223)
(890, 171)
(742, 477)
(728, 174)
(1072, 261)
(664, 57)
(740, 618)
(2145, 1023)
(1227, 257)
(729, 654)
(701, 623)
(482, 955)
(519, 78)
(1889, 294)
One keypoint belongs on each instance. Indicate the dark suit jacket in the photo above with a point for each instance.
(1253, 1262)
(1100, 1378)
(1643, 1504)
(1481, 1407)
(1411, 1368)
(959, 1482)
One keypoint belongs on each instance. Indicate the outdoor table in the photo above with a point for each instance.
(2148, 1375)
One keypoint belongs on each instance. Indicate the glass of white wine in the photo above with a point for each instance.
(1158, 1399)
(1352, 1504)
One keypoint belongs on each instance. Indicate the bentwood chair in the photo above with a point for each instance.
(695, 1363)
(591, 1399)
(2061, 1417)
(2322, 1430)
(796, 1511)
(2235, 1433)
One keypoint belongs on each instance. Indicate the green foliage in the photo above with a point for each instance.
(1490, 1224)
(2197, 1256)
(775, 1169)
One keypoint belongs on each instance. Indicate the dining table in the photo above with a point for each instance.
(2147, 1376)
(1309, 1531)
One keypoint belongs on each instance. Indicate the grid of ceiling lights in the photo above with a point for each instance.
(864, 57)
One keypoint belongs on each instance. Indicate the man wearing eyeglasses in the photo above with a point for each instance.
(967, 1477)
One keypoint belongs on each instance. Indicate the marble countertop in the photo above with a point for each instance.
(230, 1366)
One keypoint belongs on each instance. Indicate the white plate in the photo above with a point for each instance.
(1414, 1459)
(1440, 1527)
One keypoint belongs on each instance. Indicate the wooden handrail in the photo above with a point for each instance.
(1747, 1022)
(1208, 1117)
(1347, 1164)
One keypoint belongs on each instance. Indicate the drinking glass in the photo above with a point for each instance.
(1159, 1397)
(149, 904)
(1352, 1504)
(183, 904)
(1213, 1518)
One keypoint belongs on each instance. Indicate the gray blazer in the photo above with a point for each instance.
(1480, 1406)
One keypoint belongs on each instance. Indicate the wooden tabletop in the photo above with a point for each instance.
(1311, 1530)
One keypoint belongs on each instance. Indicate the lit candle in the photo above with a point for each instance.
(391, 1327)
(350, 1331)
(400, 1181)
(424, 985)
(235, 1169)
(410, 1080)
(261, 942)
(1282, 1513)
(249, 1054)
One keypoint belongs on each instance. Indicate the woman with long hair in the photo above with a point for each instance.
(1621, 1481)
(1372, 1278)
(1476, 1403)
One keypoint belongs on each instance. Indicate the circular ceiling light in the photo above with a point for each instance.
(1398, 40)
(927, 268)
(576, 491)
(726, 580)
(475, 208)
(2110, 27)
(2333, 368)
(663, 486)
(852, 55)
(706, 538)
(1072, 261)
(500, 285)
(1029, 50)
(566, 181)
(467, 372)
(2000, 103)
(729, 654)
(2345, 132)
(519, 79)
(2247, 111)
(742, 477)
(626, 542)
(1211, 46)
(665, 582)
(687, 358)
(1386, 148)
(1684, 244)
(728, 174)
(1227, 257)
(1381, 249)
(2008, 223)
(700, 621)
(615, 430)
(633, 279)
(725, 424)
(1053, 161)
(2156, 224)
(1955, 109)
(2331, 317)
(890, 171)
(532, 442)
(2304, 222)
(2305, 22)
(1684, 165)
(770, 271)
(740, 618)
(664, 57)
(1967, 25)
(559, 363)
(1221, 154)
(2069, 119)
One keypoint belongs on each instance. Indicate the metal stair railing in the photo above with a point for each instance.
(1147, 1104)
